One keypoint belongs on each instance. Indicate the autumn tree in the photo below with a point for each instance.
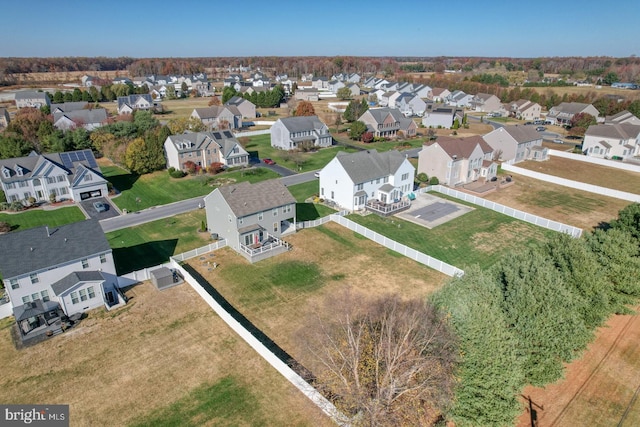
(580, 123)
(181, 124)
(384, 361)
(305, 108)
(214, 101)
(344, 93)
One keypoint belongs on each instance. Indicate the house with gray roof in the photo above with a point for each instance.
(72, 175)
(515, 144)
(291, 133)
(622, 117)
(31, 99)
(130, 103)
(48, 271)
(252, 218)
(388, 123)
(320, 82)
(203, 149)
(619, 141)
(459, 99)
(67, 107)
(441, 116)
(357, 181)
(246, 108)
(563, 113)
(88, 119)
(219, 117)
(307, 94)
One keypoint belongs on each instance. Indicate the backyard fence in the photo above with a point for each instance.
(506, 210)
(199, 251)
(603, 191)
(595, 160)
(318, 222)
(420, 257)
(253, 133)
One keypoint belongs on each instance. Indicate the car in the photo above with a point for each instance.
(528, 123)
(558, 141)
(538, 122)
(268, 162)
(541, 128)
(317, 174)
(100, 206)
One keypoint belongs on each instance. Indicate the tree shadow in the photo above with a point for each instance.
(149, 254)
(306, 212)
(123, 182)
(602, 225)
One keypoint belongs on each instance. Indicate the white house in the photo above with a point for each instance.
(441, 116)
(289, 132)
(33, 99)
(47, 270)
(354, 180)
(615, 141)
(203, 149)
(563, 113)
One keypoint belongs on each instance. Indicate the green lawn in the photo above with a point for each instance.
(153, 243)
(39, 217)
(384, 145)
(260, 146)
(479, 237)
(308, 211)
(158, 188)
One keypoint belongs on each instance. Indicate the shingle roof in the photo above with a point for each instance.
(246, 198)
(462, 148)
(69, 106)
(97, 115)
(70, 280)
(367, 165)
(379, 114)
(31, 250)
(301, 123)
(30, 94)
(569, 108)
(614, 131)
(38, 165)
(522, 133)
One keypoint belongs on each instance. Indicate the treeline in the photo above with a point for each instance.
(266, 99)
(538, 308)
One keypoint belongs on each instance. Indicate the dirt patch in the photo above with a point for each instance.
(514, 232)
(599, 388)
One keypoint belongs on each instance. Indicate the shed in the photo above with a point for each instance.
(164, 278)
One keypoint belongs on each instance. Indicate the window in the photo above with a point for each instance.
(23, 184)
(275, 227)
(14, 283)
(44, 295)
(35, 296)
(85, 263)
(405, 176)
(386, 179)
(240, 221)
(378, 181)
(103, 259)
(88, 177)
(11, 185)
(286, 209)
(260, 216)
(34, 278)
(64, 190)
(359, 187)
(74, 297)
(91, 292)
(83, 294)
(51, 180)
(274, 211)
(25, 299)
(60, 178)
(230, 220)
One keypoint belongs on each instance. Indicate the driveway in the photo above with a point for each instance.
(87, 207)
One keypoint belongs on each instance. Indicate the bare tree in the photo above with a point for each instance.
(382, 361)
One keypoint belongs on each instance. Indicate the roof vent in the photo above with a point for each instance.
(31, 249)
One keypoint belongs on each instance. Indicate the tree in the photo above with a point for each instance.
(181, 124)
(227, 93)
(490, 374)
(214, 101)
(304, 108)
(357, 129)
(580, 123)
(355, 109)
(610, 78)
(184, 89)
(629, 220)
(385, 361)
(344, 93)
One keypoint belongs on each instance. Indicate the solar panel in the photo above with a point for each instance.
(85, 156)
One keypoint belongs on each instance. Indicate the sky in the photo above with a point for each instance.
(200, 28)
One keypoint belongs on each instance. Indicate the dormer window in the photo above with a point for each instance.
(6, 172)
(19, 170)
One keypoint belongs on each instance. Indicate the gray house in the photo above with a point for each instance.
(203, 149)
(219, 117)
(33, 99)
(252, 218)
(244, 106)
(88, 119)
(4, 118)
(515, 144)
(288, 133)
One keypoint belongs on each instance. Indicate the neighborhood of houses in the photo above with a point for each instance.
(51, 274)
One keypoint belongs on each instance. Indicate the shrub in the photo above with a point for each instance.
(176, 173)
(191, 167)
(215, 168)
(434, 180)
(367, 137)
(5, 227)
(422, 177)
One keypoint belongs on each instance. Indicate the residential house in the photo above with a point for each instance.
(88, 119)
(121, 81)
(219, 117)
(524, 109)
(422, 91)
(347, 77)
(5, 119)
(515, 144)
(486, 103)
(392, 97)
(203, 149)
(354, 88)
(388, 123)
(130, 103)
(563, 113)
(246, 108)
(70, 175)
(335, 86)
(67, 107)
(619, 141)
(252, 218)
(441, 116)
(354, 181)
(88, 81)
(320, 83)
(307, 94)
(439, 94)
(48, 271)
(410, 104)
(30, 98)
(460, 99)
(622, 117)
(289, 132)
(456, 161)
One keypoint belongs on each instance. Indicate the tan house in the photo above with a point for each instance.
(203, 149)
(388, 123)
(486, 103)
(563, 113)
(515, 144)
(457, 161)
(523, 109)
(246, 108)
(220, 117)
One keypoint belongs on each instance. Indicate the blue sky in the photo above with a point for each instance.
(325, 28)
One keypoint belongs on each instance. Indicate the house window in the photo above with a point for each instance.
(274, 211)
(14, 283)
(260, 216)
(405, 176)
(51, 180)
(23, 184)
(11, 185)
(34, 278)
(64, 190)
(322, 191)
(25, 299)
(44, 295)
(74, 297)
(386, 179)
(230, 218)
(35, 296)
(286, 209)
(83, 294)
(88, 177)
(91, 292)
(103, 259)
(60, 178)
(378, 181)
(240, 221)
(85, 263)
(359, 187)
(275, 227)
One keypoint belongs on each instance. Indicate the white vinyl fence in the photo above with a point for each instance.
(514, 213)
(595, 160)
(252, 133)
(603, 191)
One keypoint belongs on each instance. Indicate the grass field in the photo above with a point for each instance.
(478, 237)
(589, 173)
(151, 244)
(165, 359)
(308, 211)
(158, 188)
(39, 217)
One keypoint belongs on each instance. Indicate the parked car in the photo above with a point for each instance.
(541, 128)
(538, 122)
(528, 123)
(558, 141)
(268, 162)
(100, 206)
